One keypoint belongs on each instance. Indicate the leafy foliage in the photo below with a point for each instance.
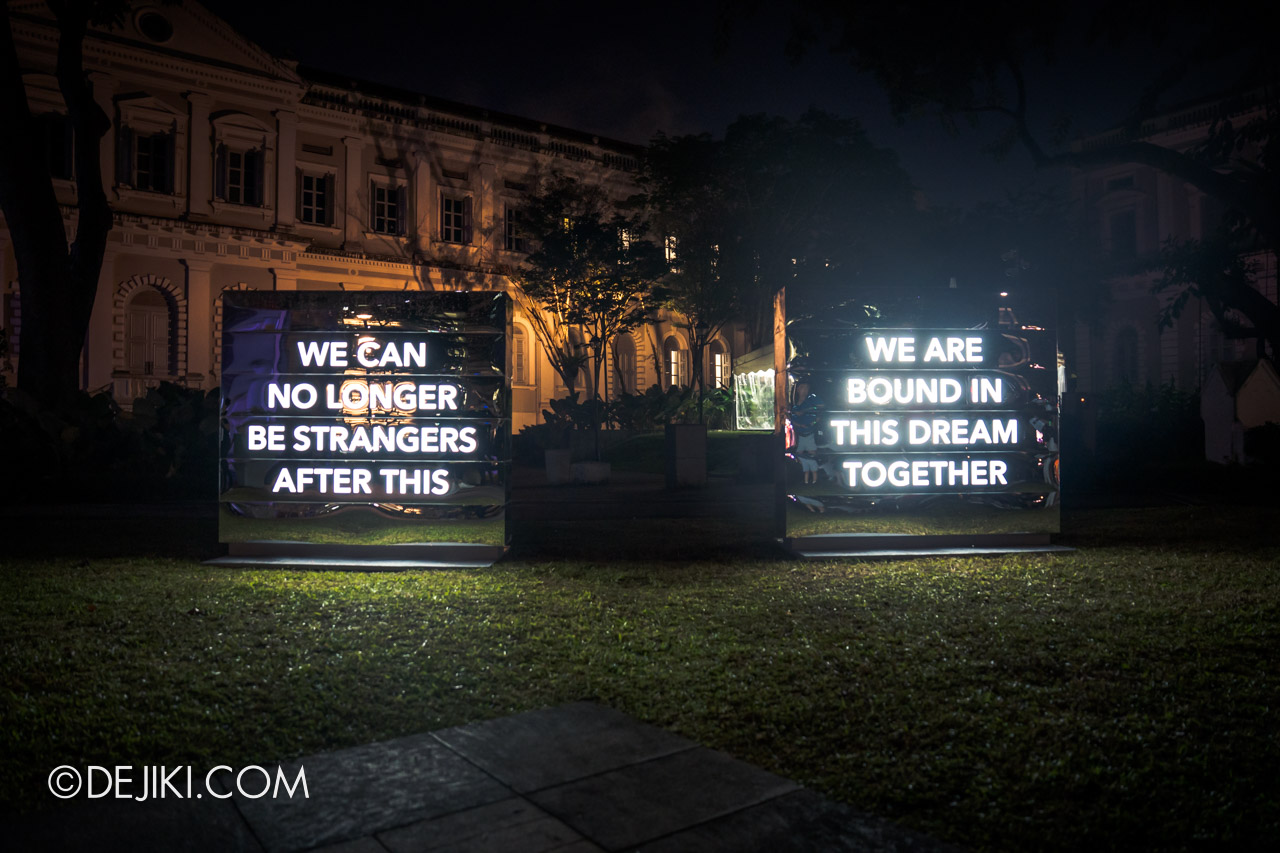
(587, 275)
(958, 65)
(811, 205)
(652, 409)
(88, 449)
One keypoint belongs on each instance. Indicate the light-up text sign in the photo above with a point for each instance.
(406, 408)
(931, 411)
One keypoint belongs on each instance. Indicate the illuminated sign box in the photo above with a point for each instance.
(364, 421)
(924, 431)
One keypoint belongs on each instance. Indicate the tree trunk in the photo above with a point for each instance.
(57, 284)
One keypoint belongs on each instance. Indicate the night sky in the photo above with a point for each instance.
(630, 71)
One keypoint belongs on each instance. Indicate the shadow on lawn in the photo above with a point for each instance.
(1223, 527)
(163, 531)
(143, 532)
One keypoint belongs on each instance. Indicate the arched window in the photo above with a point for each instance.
(1125, 357)
(624, 363)
(717, 365)
(675, 363)
(519, 356)
(147, 323)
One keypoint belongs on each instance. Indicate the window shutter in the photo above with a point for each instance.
(402, 208)
(440, 217)
(220, 173)
(167, 178)
(373, 204)
(253, 177)
(124, 156)
(330, 198)
(297, 193)
(517, 366)
(466, 220)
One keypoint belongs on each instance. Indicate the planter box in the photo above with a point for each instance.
(559, 467)
(590, 472)
(686, 455)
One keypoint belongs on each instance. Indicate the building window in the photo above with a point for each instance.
(455, 219)
(1119, 184)
(315, 199)
(513, 240)
(624, 363)
(146, 161)
(675, 360)
(239, 176)
(56, 139)
(718, 358)
(669, 245)
(146, 330)
(1122, 228)
(389, 205)
(519, 356)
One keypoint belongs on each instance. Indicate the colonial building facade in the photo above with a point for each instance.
(229, 169)
(1131, 210)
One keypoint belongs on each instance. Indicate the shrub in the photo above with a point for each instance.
(88, 450)
(1262, 443)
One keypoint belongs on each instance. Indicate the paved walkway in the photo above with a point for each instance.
(572, 779)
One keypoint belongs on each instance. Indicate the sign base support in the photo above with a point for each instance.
(360, 558)
(877, 546)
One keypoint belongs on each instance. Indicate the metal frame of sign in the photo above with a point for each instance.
(924, 423)
(366, 429)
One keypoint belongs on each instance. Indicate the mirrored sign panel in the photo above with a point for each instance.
(903, 420)
(364, 419)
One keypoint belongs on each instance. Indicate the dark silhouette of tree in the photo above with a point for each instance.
(57, 281)
(811, 206)
(587, 275)
(957, 61)
(693, 216)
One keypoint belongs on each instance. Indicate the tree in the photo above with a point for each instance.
(811, 205)
(957, 62)
(57, 281)
(693, 212)
(586, 277)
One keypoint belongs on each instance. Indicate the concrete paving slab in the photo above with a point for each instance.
(642, 802)
(514, 825)
(358, 845)
(203, 825)
(359, 791)
(539, 749)
(798, 822)
(590, 779)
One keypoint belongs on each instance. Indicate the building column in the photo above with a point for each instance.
(200, 367)
(486, 211)
(104, 90)
(354, 179)
(286, 167)
(200, 167)
(424, 229)
(285, 279)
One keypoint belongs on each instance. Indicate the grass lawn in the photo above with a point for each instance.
(1125, 696)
